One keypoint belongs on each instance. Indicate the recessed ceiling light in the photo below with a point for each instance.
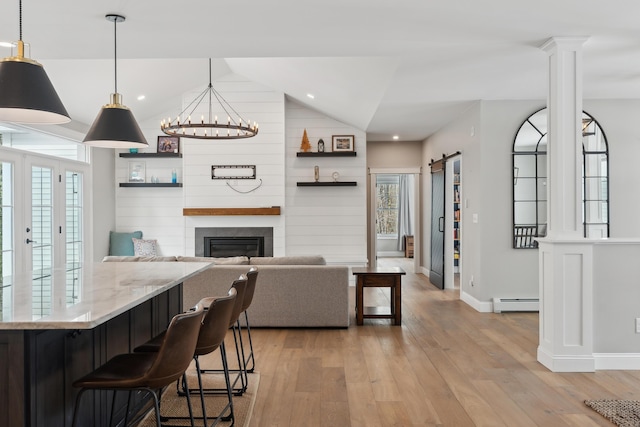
(396, 137)
(310, 95)
(141, 97)
(6, 44)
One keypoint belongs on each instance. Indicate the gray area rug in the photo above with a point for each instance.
(623, 413)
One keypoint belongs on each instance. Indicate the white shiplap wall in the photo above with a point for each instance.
(158, 211)
(330, 221)
(265, 151)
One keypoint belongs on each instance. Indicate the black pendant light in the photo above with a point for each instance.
(115, 126)
(26, 93)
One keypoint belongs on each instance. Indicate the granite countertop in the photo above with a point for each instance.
(85, 296)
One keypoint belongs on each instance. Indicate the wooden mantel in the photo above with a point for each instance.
(273, 210)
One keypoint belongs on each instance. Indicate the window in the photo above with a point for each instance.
(25, 139)
(387, 205)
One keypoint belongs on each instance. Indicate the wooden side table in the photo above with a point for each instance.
(379, 277)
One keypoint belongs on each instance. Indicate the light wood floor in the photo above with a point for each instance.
(447, 365)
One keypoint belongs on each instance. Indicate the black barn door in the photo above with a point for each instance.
(436, 273)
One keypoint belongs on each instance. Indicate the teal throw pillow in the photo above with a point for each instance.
(121, 244)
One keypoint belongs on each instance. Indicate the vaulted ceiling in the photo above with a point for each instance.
(402, 67)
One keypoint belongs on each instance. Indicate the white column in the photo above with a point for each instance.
(566, 289)
(564, 138)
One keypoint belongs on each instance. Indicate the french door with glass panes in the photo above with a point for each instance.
(44, 213)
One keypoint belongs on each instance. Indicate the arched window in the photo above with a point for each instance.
(530, 180)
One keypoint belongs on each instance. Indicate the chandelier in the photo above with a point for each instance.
(211, 128)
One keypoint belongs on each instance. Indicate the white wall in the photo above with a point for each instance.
(464, 135)
(103, 200)
(497, 269)
(329, 221)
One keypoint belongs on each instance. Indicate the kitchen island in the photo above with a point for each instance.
(58, 325)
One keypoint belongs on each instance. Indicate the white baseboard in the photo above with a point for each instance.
(481, 306)
(566, 363)
(617, 361)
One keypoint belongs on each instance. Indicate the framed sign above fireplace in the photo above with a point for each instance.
(233, 171)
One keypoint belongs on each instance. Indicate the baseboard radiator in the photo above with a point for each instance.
(501, 305)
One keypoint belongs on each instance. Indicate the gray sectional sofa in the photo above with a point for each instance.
(290, 291)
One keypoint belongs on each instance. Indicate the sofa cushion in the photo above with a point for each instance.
(145, 247)
(139, 259)
(122, 243)
(234, 260)
(288, 260)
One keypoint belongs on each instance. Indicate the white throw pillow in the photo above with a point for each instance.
(145, 247)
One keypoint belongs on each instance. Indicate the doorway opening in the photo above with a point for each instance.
(394, 234)
(453, 223)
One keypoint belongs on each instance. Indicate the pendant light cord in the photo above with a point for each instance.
(20, 12)
(210, 87)
(115, 54)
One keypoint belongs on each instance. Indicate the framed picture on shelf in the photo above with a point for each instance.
(168, 144)
(343, 142)
(137, 172)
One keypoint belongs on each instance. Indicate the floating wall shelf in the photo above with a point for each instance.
(326, 154)
(156, 155)
(150, 184)
(328, 184)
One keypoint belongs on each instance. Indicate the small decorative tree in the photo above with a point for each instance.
(305, 145)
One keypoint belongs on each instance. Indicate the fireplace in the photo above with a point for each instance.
(233, 241)
(233, 246)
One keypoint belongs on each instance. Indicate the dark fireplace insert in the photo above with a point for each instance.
(233, 246)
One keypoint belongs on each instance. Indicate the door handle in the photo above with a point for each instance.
(31, 241)
(441, 224)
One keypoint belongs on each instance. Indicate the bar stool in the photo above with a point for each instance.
(215, 325)
(149, 372)
(240, 285)
(252, 278)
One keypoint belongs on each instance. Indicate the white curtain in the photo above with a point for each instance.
(405, 208)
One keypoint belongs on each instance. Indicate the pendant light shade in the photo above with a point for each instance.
(26, 93)
(115, 126)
